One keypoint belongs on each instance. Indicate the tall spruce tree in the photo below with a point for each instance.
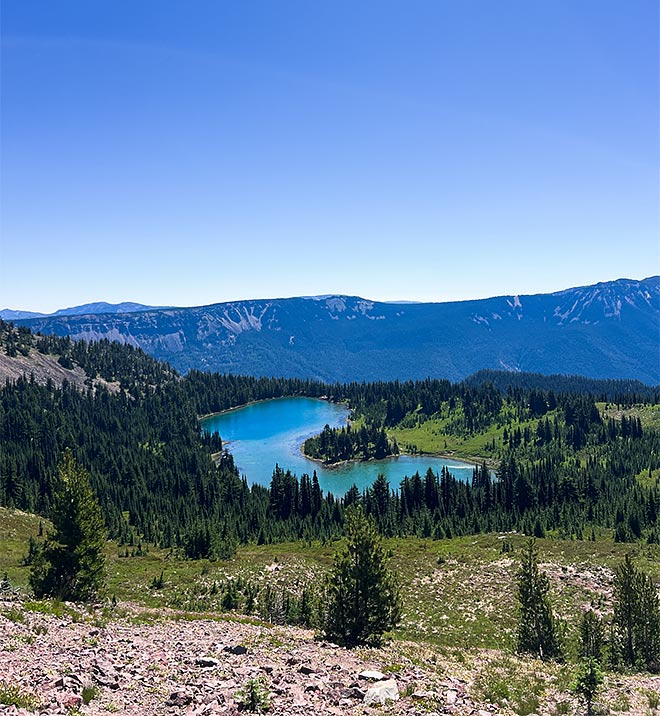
(363, 595)
(636, 622)
(71, 564)
(537, 633)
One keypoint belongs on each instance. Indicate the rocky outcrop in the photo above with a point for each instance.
(139, 662)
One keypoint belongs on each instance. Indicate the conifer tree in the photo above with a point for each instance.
(587, 681)
(537, 633)
(592, 636)
(636, 620)
(72, 565)
(363, 595)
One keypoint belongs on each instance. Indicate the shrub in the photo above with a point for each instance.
(587, 682)
(12, 695)
(253, 697)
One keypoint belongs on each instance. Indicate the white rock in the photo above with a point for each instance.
(371, 675)
(382, 692)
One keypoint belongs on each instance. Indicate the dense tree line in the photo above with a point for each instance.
(562, 466)
(622, 392)
(334, 445)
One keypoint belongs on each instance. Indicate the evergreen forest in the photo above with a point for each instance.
(559, 455)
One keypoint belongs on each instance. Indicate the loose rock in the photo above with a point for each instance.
(382, 692)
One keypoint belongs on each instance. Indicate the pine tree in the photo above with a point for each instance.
(71, 565)
(592, 636)
(636, 621)
(587, 682)
(536, 630)
(363, 595)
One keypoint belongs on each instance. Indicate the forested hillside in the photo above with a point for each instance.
(567, 460)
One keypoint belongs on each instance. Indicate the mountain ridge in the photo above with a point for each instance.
(8, 314)
(605, 330)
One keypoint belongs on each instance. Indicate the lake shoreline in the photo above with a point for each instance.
(468, 460)
(323, 398)
(269, 432)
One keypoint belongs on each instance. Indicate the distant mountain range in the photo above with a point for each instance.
(7, 314)
(608, 330)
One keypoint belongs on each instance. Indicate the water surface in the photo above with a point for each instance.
(271, 432)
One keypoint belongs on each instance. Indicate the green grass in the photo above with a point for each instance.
(431, 437)
(16, 527)
(502, 682)
(459, 601)
(649, 415)
(13, 695)
(466, 598)
(434, 437)
(460, 590)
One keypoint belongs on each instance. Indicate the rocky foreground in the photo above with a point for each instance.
(133, 661)
(143, 663)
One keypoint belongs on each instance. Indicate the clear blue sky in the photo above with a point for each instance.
(186, 152)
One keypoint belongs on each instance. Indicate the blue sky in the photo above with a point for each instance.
(185, 152)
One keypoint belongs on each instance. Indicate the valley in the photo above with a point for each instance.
(329, 358)
(214, 552)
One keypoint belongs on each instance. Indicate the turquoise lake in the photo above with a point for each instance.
(271, 432)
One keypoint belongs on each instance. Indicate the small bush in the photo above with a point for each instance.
(587, 681)
(89, 692)
(12, 695)
(501, 682)
(253, 697)
(654, 700)
(158, 582)
(14, 615)
(507, 546)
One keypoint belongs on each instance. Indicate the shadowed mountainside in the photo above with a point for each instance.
(608, 330)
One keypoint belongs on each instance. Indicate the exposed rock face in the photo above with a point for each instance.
(42, 368)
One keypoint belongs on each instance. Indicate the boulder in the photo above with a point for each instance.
(353, 692)
(206, 662)
(381, 692)
(179, 698)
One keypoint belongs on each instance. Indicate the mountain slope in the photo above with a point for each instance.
(609, 330)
